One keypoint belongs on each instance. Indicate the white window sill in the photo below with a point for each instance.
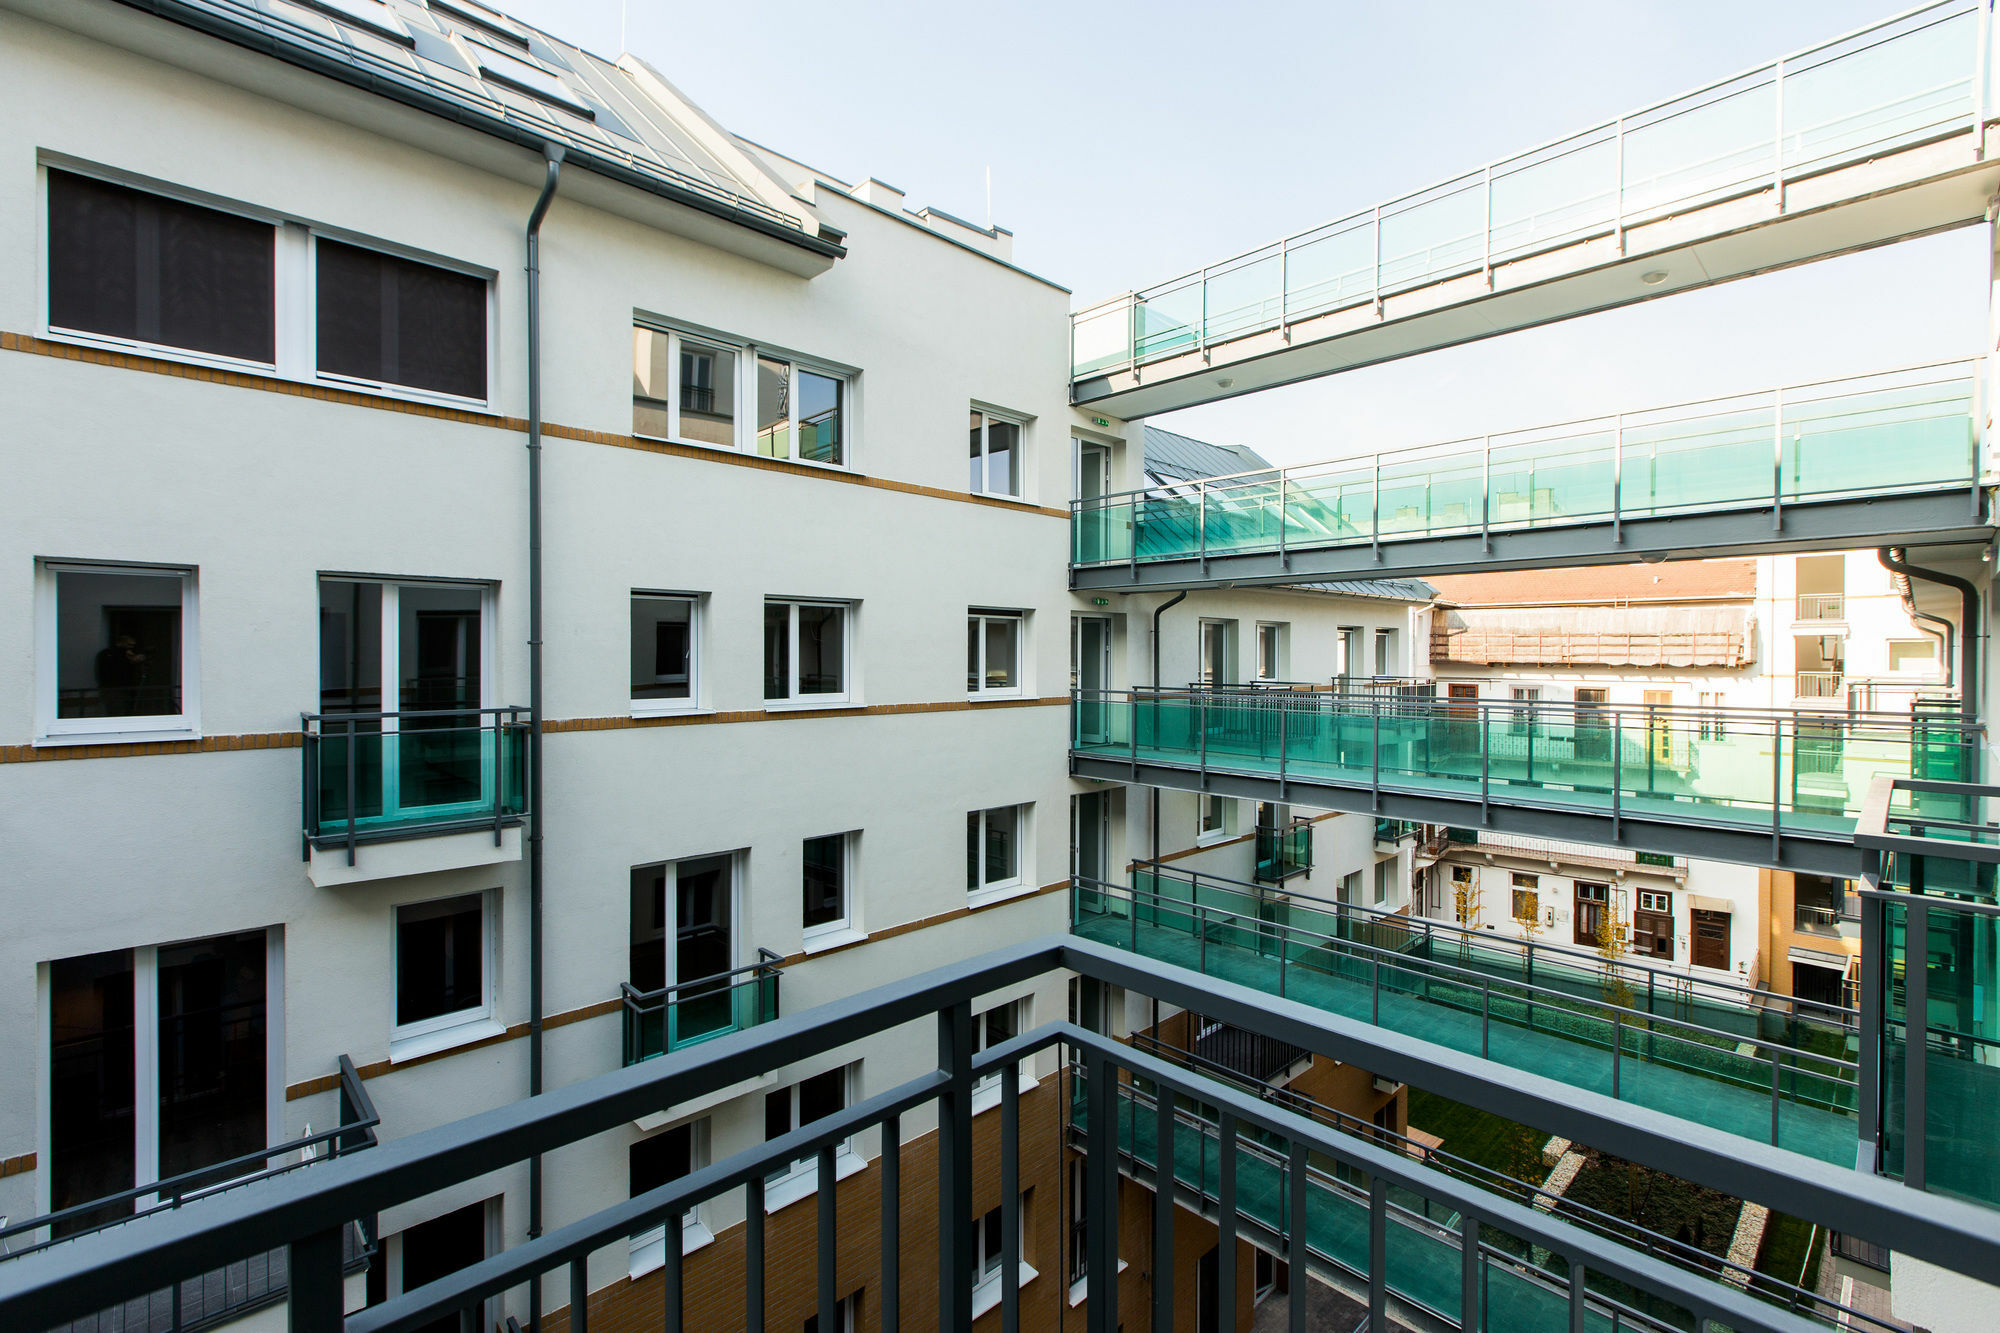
(444, 1039)
(987, 1294)
(1080, 1288)
(710, 446)
(1210, 839)
(998, 893)
(175, 731)
(808, 705)
(986, 1092)
(403, 393)
(804, 1183)
(669, 710)
(994, 696)
(1010, 499)
(648, 1250)
(832, 937)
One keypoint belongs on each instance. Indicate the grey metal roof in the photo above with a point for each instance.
(1185, 458)
(619, 130)
(1394, 590)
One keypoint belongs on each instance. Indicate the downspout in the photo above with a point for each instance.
(1946, 631)
(1893, 560)
(1159, 611)
(554, 155)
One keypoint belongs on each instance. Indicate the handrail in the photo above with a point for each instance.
(509, 710)
(767, 964)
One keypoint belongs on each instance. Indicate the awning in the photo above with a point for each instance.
(1832, 962)
(1702, 904)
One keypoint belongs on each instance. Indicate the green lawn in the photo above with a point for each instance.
(1480, 1136)
(1783, 1251)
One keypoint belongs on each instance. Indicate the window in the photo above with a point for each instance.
(1349, 890)
(1385, 880)
(385, 320)
(805, 651)
(1653, 925)
(658, 1160)
(994, 1027)
(1913, 655)
(993, 848)
(996, 455)
(1218, 652)
(682, 930)
(988, 1235)
(687, 388)
(444, 973)
(827, 910)
(1218, 813)
(846, 1316)
(1588, 917)
(1347, 658)
(993, 653)
(117, 650)
(142, 268)
(664, 653)
(1712, 726)
(1385, 652)
(787, 1109)
(526, 75)
(374, 15)
(1527, 903)
(1522, 719)
(1271, 651)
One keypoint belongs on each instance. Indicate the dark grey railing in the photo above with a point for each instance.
(307, 1212)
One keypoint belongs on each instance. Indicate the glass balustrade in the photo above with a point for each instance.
(675, 1017)
(370, 776)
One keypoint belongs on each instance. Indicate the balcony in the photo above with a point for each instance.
(1743, 1060)
(1821, 606)
(228, 1291)
(438, 790)
(1390, 833)
(1397, 1230)
(1738, 784)
(1816, 685)
(1283, 853)
(676, 1017)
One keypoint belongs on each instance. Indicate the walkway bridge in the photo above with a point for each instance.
(1885, 459)
(1768, 787)
(1878, 136)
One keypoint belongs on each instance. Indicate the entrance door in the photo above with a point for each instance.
(1090, 676)
(1659, 728)
(1711, 938)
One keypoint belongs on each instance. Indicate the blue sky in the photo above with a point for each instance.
(1131, 142)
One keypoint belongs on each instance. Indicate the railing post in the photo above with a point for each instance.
(1201, 527)
(1916, 1039)
(1778, 460)
(1284, 552)
(753, 1255)
(1375, 522)
(1777, 780)
(1618, 216)
(1617, 778)
(892, 1225)
(1486, 226)
(1378, 1253)
(1010, 1200)
(1485, 765)
(1296, 1251)
(673, 1288)
(1618, 479)
(1485, 1017)
(1471, 1319)
(354, 762)
(1201, 929)
(499, 776)
(826, 1234)
(1100, 1206)
(1775, 1066)
(1284, 726)
(1778, 136)
(1225, 1213)
(1375, 750)
(1617, 1048)
(954, 1156)
(1377, 230)
(315, 1299)
(1201, 712)
(1486, 494)
(1578, 1299)
(579, 1295)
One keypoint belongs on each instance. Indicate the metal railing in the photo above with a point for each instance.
(1814, 919)
(1907, 80)
(1250, 1055)
(1464, 1271)
(1821, 606)
(207, 1298)
(1783, 771)
(1909, 430)
(680, 1015)
(1284, 852)
(1816, 685)
(377, 777)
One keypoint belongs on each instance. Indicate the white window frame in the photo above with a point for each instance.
(1663, 897)
(986, 1284)
(794, 700)
(1385, 652)
(428, 1035)
(976, 619)
(51, 730)
(648, 1250)
(697, 641)
(800, 1180)
(847, 928)
(797, 364)
(1224, 808)
(987, 416)
(1927, 667)
(294, 300)
(675, 337)
(1385, 881)
(744, 439)
(986, 1090)
(1280, 632)
(992, 890)
(1223, 634)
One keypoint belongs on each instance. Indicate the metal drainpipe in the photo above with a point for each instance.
(1892, 558)
(1946, 630)
(1159, 611)
(554, 155)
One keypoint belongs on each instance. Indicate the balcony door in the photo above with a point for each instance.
(1090, 836)
(690, 949)
(1090, 676)
(1711, 938)
(405, 664)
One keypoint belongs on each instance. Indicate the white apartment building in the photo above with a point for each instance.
(266, 350)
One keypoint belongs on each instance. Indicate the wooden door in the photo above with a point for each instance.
(1711, 938)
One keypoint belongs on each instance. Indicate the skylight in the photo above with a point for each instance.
(494, 25)
(529, 78)
(374, 15)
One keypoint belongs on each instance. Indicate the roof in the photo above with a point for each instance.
(1674, 581)
(1392, 590)
(1184, 458)
(463, 62)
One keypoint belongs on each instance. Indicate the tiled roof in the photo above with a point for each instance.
(1673, 581)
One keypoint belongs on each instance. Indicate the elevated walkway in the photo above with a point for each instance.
(1891, 458)
(1878, 136)
(1764, 787)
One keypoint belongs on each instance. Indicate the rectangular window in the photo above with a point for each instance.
(117, 646)
(444, 974)
(664, 652)
(1522, 719)
(997, 1026)
(684, 388)
(993, 652)
(993, 848)
(146, 269)
(846, 1315)
(656, 1161)
(827, 908)
(987, 1245)
(1385, 881)
(1912, 655)
(805, 651)
(1218, 652)
(801, 413)
(1215, 817)
(387, 320)
(1271, 652)
(1385, 652)
(1587, 918)
(815, 1098)
(995, 455)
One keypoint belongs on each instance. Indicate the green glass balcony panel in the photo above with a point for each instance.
(426, 771)
(658, 1022)
(1283, 852)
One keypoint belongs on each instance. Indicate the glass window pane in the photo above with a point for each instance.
(440, 958)
(118, 644)
(396, 321)
(777, 1113)
(822, 649)
(973, 821)
(978, 455)
(777, 650)
(774, 408)
(821, 409)
(1002, 639)
(825, 881)
(134, 265)
(650, 350)
(1000, 844)
(972, 655)
(708, 394)
(647, 968)
(662, 647)
(822, 1095)
(350, 646)
(91, 1141)
(1003, 447)
(212, 1016)
(661, 1159)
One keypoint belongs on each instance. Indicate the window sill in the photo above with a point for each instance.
(710, 446)
(1211, 839)
(1005, 499)
(831, 938)
(686, 710)
(1080, 1288)
(126, 736)
(808, 705)
(803, 1184)
(649, 1248)
(445, 1039)
(987, 1294)
(998, 893)
(995, 696)
(402, 393)
(986, 1092)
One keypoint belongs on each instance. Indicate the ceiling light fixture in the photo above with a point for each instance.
(1653, 277)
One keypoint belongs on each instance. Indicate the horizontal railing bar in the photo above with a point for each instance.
(508, 710)
(768, 964)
